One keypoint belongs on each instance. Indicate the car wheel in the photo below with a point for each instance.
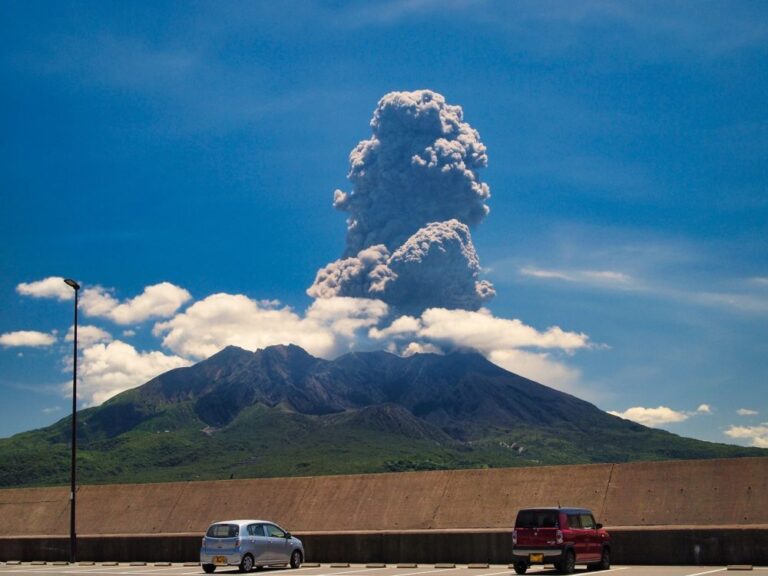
(605, 560)
(246, 564)
(521, 567)
(208, 568)
(568, 565)
(296, 559)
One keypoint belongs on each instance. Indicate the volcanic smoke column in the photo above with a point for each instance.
(415, 192)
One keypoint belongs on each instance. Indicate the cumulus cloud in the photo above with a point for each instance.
(415, 192)
(420, 348)
(108, 369)
(51, 287)
(27, 338)
(158, 301)
(221, 320)
(87, 335)
(652, 416)
(661, 415)
(436, 267)
(482, 331)
(746, 412)
(757, 434)
(508, 343)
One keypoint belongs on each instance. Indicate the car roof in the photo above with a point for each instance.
(248, 521)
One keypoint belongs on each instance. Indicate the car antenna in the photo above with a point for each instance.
(558, 504)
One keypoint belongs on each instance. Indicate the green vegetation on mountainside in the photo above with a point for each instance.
(280, 412)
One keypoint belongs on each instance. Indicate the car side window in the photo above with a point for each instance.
(274, 532)
(587, 521)
(255, 530)
(573, 521)
(261, 530)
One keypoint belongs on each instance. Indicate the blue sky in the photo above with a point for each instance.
(180, 160)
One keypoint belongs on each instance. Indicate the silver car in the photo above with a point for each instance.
(248, 544)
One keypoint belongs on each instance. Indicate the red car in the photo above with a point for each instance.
(560, 536)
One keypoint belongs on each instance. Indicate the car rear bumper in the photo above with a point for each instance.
(214, 557)
(529, 555)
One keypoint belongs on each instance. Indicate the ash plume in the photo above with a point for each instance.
(415, 192)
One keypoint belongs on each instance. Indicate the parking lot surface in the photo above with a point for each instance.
(160, 569)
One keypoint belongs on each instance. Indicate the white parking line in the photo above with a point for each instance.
(708, 572)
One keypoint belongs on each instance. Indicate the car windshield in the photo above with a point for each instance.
(536, 519)
(223, 531)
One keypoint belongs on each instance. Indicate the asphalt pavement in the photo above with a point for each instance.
(340, 569)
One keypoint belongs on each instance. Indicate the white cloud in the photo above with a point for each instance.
(502, 341)
(483, 331)
(157, 301)
(746, 412)
(402, 326)
(51, 287)
(538, 366)
(661, 415)
(221, 320)
(108, 369)
(29, 338)
(757, 434)
(601, 278)
(51, 410)
(129, 333)
(346, 316)
(88, 335)
(419, 348)
(652, 416)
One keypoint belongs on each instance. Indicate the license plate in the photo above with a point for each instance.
(536, 558)
(220, 560)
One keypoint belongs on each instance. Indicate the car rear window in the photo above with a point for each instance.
(223, 531)
(536, 519)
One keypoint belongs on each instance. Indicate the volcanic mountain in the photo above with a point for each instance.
(282, 412)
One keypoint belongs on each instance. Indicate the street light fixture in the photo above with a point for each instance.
(73, 470)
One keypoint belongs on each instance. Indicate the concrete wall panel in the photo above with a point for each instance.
(691, 493)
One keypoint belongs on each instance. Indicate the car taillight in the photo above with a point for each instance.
(514, 537)
(237, 543)
(559, 536)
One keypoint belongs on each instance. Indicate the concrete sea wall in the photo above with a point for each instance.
(701, 511)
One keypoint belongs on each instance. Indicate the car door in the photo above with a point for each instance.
(279, 549)
(577, 536)
(592, 541)
(257, 542)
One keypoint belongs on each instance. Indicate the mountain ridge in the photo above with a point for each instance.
(279, 411)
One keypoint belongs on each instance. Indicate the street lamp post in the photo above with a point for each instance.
(73, 470)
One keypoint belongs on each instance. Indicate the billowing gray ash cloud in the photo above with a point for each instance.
(415, 192)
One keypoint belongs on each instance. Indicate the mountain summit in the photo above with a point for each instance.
(281, 412)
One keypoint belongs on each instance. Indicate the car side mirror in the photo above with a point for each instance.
(288, 535)
(598, 525)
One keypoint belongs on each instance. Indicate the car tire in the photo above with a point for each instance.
(246, 564)
(296, 559)
(568, 563)
(209, 568)
(605, 560)
(521, 567)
